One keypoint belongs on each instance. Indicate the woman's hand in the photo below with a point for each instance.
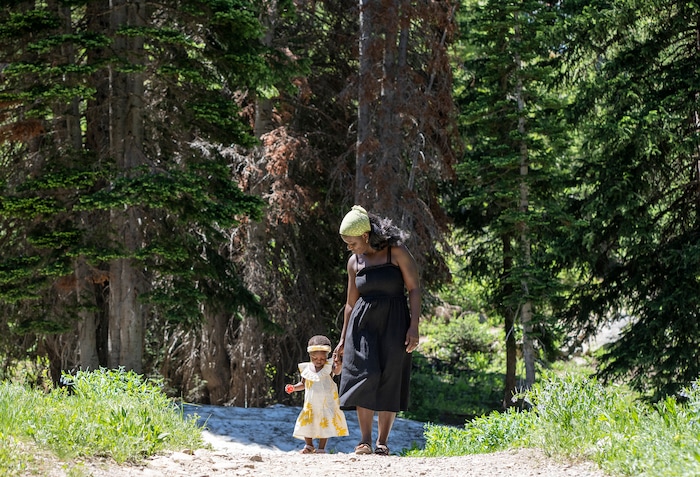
(411, 339)
(289, 388)
(338, 351)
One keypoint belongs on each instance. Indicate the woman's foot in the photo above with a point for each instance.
(381, 449)
(363, 448)
(307, 450)
(320, 451)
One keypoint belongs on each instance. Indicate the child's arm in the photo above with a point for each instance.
(290, 388)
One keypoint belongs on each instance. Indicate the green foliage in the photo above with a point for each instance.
(634, 239)
(63, 191)
(490, 433)
(461, 342)
(452, 397)
(455, 373)
(506, 204)
(577, 417)
(101, 413)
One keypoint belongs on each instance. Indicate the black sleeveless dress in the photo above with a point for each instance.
(376, 366)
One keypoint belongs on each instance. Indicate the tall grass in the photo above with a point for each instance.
(106, 413)
(577, 417)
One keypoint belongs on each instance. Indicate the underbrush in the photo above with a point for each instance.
(103, 413)
(457, 373)
(577, 417)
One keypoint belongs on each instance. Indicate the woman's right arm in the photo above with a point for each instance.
(352, 297)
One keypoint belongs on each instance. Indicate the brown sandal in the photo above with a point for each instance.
(307, 450)
(363, 448)
(381, 449)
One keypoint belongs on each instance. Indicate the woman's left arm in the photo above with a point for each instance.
(409, 270)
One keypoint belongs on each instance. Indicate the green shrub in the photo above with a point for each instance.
(494, 432)
(577, 417)
(450, 396)
(100, 413)
(459, 343)
(456, 375)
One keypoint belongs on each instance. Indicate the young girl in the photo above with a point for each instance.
(321, 416)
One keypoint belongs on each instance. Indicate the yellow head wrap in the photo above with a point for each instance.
(355, 222)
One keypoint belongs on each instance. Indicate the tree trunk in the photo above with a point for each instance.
(126, 315)
(97, 142)
(509, 321)
(88, 323)
(365, 97)
(214, 363)
(387, 183)
(526, 311)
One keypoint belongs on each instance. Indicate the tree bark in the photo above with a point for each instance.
(364, 99)
(214, 360)
(88, 322)
(126, 315)
(97, 143)
(526, 311)
(509, 322)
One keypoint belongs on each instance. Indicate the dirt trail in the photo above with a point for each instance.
(258, 442)
(521, 463)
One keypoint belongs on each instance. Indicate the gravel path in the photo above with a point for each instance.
(257, 442)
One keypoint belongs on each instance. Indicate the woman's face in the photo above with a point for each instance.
(356, 245)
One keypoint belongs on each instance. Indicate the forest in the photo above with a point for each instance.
(173, 175)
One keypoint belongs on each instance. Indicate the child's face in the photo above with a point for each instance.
(318, 358)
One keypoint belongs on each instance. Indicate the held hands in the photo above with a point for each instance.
(289, 388)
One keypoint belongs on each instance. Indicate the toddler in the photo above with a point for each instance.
(321, 416)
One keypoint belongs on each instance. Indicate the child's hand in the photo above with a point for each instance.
(289, 388)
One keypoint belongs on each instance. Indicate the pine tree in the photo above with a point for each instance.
(635, 240)
(116, 191)
(406, 135)
(508, 178)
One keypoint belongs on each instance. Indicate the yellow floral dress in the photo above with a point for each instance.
(321, 416)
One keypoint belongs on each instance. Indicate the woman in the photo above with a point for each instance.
(379, 332)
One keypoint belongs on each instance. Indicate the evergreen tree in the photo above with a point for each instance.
(636, 240)
(406, 135)
(305, 169)
(504, 202)
(116, 190)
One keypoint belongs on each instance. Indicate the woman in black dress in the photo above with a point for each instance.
(380, 326)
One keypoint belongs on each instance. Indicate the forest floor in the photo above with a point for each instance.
(258, 442)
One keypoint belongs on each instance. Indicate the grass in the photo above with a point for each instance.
(104, 413)
(576, 417)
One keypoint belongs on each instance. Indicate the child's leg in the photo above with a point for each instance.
(309, 447)
(321, 446)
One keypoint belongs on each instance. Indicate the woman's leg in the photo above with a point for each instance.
(385, 422)
(364, 419)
